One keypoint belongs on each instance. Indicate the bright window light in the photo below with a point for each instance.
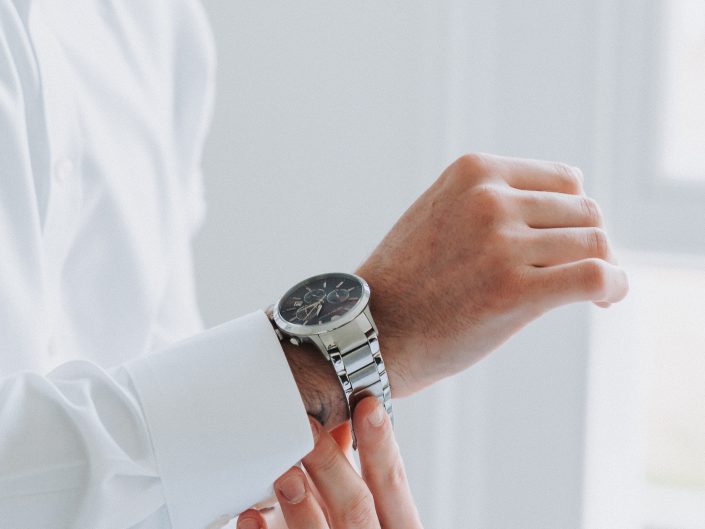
(646, 434)
(683, 143)
(674, 318)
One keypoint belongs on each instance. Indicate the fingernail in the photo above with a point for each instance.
(292, 488)
(376, 418)
(248, 523)
(314, 428)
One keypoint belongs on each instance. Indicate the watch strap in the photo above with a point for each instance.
(355, 354)
(360, 367)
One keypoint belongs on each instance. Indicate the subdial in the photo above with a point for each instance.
(338, 295)
(314, 296)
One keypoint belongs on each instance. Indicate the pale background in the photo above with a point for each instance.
(333, 116)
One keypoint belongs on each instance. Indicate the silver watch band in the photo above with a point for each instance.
(354, 351)
(355, 354)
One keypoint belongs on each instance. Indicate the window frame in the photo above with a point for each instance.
(647, 211)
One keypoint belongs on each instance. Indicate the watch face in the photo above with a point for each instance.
(321, 299)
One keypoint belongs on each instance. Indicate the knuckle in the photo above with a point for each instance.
(324, 458)
(531, 200)
(503, 241)
(571, 177)
(598, 243)
(592, 210)
(507, 288)
(359, 511)
(488, 200)
(471, 163)
(395, 475)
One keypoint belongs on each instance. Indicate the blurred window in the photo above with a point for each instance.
(674, 463)
(683, 142)
(672, 314)
(651, 130)
(672, 308)
(646, 439)
(646, 412)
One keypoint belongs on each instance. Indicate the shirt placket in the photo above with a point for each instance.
(64, 174)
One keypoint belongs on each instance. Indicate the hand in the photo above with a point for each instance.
(334, 495)
(490, 246)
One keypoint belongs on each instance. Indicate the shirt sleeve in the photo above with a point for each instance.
(187, 431)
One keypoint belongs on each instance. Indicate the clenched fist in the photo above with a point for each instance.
(493, 244)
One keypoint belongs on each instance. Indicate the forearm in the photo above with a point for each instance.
(320, 389)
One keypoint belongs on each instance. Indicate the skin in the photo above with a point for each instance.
(332, 494)
(492, 245)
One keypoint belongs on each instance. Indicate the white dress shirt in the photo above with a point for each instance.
(104, 105)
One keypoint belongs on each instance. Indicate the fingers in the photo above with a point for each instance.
(251, 519)
(343, 436)
(558, 210)
(537, 175)
(348, 501)
(383, 468)
(586, 280)
(556, 246)
(297, 502)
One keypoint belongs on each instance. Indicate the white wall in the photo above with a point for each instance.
(320, 140)
(331, 118)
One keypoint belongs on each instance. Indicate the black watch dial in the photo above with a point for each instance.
(320, 300)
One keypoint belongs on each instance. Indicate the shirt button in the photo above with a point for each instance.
(63, 169)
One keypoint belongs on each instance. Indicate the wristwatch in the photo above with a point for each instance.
(332, 311)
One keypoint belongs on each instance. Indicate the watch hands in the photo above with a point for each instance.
(312, 307)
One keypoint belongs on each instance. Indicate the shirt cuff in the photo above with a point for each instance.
(225, 418)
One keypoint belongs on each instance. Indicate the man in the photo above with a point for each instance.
(103, 111)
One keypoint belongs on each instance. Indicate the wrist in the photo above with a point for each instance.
(318, 384)
(392, 338)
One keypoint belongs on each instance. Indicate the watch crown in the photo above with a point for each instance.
(294, 340)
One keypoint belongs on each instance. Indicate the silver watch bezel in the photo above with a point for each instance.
(293, 329)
